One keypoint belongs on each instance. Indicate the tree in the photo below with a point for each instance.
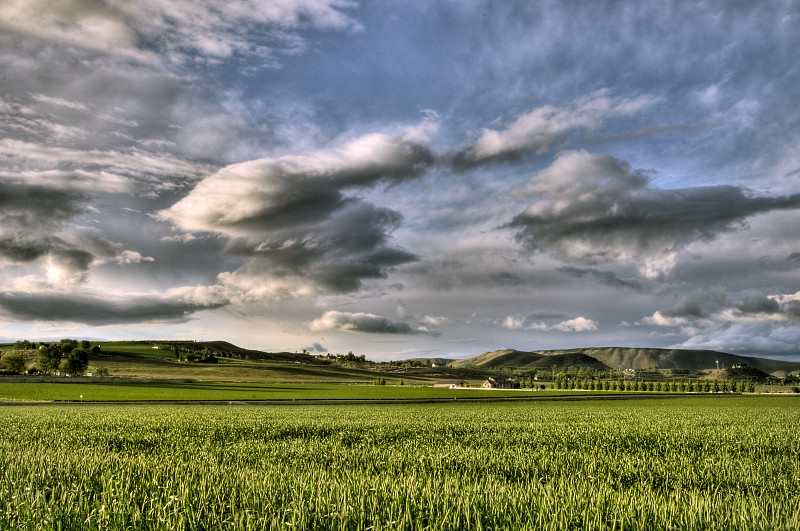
(13, 363)
(77, 361)
(67, 345)
(48, 359)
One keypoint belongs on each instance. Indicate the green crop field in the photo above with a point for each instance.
(115, 390)
(683, 463)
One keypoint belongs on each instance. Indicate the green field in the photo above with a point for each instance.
(683, 463)
(115, 390)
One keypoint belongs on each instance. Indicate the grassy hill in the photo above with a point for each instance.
(157, 360)
(624, 358)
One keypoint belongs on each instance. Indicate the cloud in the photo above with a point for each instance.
(97, 166)
(608, 278)
(579, 324)
(700, 303)
(659, 319)
(592, 208)
(182, 30)
(757, 339)
(755, 303)
(37, 225)
(99, 309)
(711, 307)
(545, 129)
(293, 222)
(317, 347)
(364, 322)
(532, 322)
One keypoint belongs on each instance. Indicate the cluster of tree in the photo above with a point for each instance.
(12, 363)
(68, 355)
(205, 355)
(346, 358)
(665, 386)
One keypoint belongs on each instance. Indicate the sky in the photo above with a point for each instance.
(433, 178)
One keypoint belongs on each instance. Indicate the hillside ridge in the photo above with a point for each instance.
(636, 358)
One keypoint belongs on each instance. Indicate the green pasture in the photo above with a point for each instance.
(683, 463)
(178, 391)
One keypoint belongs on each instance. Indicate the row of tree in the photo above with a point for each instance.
(205, 355)
(666, 386)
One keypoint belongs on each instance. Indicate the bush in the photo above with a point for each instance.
(379, 381)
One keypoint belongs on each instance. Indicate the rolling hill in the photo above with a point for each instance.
(623, 358)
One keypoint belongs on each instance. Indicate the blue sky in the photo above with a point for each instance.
(402, 179)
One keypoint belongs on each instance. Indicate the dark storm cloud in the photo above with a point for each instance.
(29, 207)
(37, 225)
(609, 278)
(294, 222)
(31, 218)
(96, 310)
(592, 208)
(365, 322)
(790, 263)
(753, 303)
(317, 347)
(701, 303)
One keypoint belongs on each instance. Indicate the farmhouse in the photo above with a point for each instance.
(500, 383)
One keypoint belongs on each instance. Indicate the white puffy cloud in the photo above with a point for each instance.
(578, 324)
(659, 319)
(532, 322)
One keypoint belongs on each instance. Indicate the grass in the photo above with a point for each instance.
(114, 390)
(675, 464)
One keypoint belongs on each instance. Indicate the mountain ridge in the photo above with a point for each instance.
(636, 358)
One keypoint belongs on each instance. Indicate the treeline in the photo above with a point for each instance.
(665, 386)
(204, 355)
(68, 356)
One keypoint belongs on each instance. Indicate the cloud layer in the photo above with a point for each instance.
(219, 168)
(591, 208)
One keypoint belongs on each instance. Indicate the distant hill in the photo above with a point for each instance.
(528, 360)
(226, 349)
(623, 358)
